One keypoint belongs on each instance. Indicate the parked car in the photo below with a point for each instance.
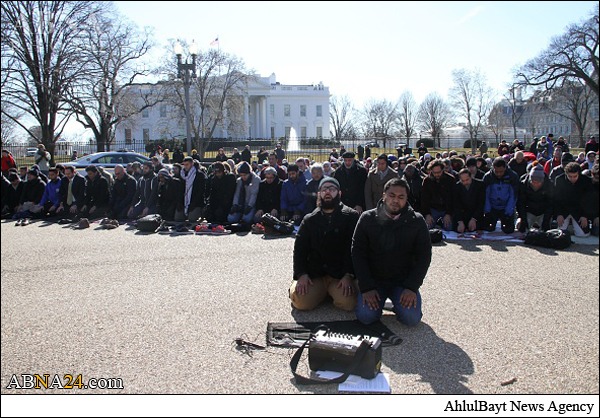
(30, 152)
(372, 144)
(110, 159)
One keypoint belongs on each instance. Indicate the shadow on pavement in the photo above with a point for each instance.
(502, 246)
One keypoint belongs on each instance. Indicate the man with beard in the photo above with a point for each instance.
(169, 200)
(391, 251)
(220, 190)
(322, 259)
(146, 194)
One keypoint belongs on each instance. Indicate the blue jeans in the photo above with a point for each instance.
(235, 217)
(407, 316)
(438, 215)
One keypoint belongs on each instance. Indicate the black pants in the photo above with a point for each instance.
(507, 222)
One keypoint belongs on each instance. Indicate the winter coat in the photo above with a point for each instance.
(374, 186)
(33, 191)
(269, 196)
(146, 192)
(251, 191)
(468, 204)
(437, 195)
(51, 193)
(77, 189)
(96, 192)
(323, 243)
(501, 193)
(538, 202)
(387, 252)
(123, 192)
(569, 197)
(169, 198)
(293, 195)
(352, 184)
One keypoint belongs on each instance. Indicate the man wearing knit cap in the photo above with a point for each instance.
(322, 259)
(169, 196)
(565, 159)
(534, 203)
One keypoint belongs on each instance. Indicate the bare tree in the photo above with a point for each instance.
(217, 96)
(473, 100)
(408, 112)
(515, 103)
(380, 119)
(341, 114)
(571, 56)
(104, 98)
(45, 47)
(434, 116)
(572, 102)
(498, 120)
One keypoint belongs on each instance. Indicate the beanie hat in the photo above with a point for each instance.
(566, 158)
(331, 180)
(471, 162)
(164, 172)
(149, 163)
(33, 172)
(243, 168)
(537, 173)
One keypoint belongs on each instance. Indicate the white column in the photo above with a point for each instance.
(257, 119)
(246, 117)
(263, 119)
(225, 121)
(267, 120)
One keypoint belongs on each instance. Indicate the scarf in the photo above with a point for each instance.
(189, 184)
(242, 198)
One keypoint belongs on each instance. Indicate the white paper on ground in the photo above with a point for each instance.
(379, 384)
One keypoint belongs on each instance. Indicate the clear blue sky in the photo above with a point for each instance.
(366, 49)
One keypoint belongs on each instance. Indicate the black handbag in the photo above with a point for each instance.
(436, 235)
(149, 223)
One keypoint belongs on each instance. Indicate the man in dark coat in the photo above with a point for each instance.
(220, 190)
(352, 178)
(97, 194)
(123, 192)
(436, 195)
(570, 191)
(72, 194)
(269, 195)
(469, 195)
(169, 201)
(247, 154)
(146, 193)
(534, 203)
(322, 258)
(391, 252)
(195, 190)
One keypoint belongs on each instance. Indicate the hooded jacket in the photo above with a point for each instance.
(146, 192)
(388, 252)
(52, 193)
(293, 195)
(501, 193)
(537, 202)
(569, 197)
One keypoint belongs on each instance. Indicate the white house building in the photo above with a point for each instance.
(271, 110)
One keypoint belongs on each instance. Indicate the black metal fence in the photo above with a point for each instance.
(317, 149)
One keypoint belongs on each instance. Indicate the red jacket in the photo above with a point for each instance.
(8, 162)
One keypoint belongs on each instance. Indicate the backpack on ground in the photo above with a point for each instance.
(436, 235)
(553, 238)
(274, 225)
(149, 223)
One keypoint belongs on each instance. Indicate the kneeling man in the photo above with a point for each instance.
(391, 250)
(322, 260)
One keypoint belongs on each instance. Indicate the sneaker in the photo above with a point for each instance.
(19, 221)
(82, 224)
(26, 221)
(258, 228)
(162, 228)
(104, 221)
(111, 224)
(65, 221)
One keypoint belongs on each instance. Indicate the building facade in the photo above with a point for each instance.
(268, 110)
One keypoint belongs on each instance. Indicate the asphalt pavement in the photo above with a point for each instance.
(162, 312)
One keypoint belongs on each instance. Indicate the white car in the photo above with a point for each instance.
(30, 152)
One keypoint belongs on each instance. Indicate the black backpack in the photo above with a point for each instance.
(436, 235)
(272, 225)
(553, 238)
(149, 223)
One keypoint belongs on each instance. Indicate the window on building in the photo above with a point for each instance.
(145, 113)
(272, 111)
(286, 110)
(319, 111)
(319, 132)
(146, 134)
(128, 136)
(303, 132)
(303, 111)
(288, 130)
(163, 111)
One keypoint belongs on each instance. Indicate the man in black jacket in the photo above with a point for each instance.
(322, 260)
(195, 190)
(146, 193)
(352, 177)
(97, 194)
(220, 190)
(269, 195)
(570, 191)
(436, 196)
(72, 193)
(469, 195)
(169, 201)
(31, 195)
(391, 251)
(534, 204)
(123, 192)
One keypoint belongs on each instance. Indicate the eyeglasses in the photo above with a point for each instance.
(330, 189)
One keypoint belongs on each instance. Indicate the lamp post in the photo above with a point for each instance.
(186, 72)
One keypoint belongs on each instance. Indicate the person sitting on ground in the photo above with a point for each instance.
(469, 195)
(534, 203)
(391, 253)
(591, 200)
(13, 195)
(72, 194)
(246, 193)
(555, 161)
(31, 195)
(122, 194)
(50, 201)
(269, 195)
(327, 169)
(169, 197)
(565, 159)
(590, 159)
(503, 148)
(501, 190)
(376, 179)
(312, 187)
(471, 165)
(195, 189)
(352, 177)
(144, 200)
(220, 190)
(97, 195)
(412, 177)
(436, 196)
(571, 190)
(322, 258)
(518, 164)
(563, 144)
(293, 196)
